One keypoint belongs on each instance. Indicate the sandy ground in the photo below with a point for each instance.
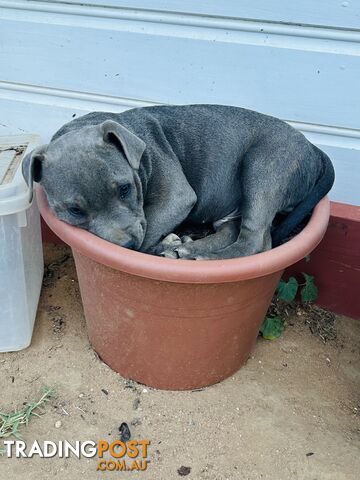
(291, 413)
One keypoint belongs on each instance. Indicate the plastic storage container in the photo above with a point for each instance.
(21, 256)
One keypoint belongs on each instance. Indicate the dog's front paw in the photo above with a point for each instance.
(185, 253)
(167, 245)
(174, 247)
(169, 254)
(171, 240)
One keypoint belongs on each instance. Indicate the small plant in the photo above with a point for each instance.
(287, 291)
(10, 423)
(273, 326)
(309, 290)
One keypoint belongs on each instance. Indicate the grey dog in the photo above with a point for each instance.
(133, 177)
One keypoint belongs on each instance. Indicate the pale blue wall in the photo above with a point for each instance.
(297, 60)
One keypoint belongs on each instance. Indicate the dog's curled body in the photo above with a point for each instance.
(199, 163)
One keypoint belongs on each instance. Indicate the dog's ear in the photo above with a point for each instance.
(132, 146)
(32, 167)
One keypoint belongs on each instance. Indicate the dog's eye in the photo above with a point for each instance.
(124, 190)
(76, 211)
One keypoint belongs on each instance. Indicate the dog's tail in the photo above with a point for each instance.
(304, 208)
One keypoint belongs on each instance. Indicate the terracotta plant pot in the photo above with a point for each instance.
(177, 324)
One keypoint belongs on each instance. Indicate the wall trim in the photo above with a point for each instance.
(49, 95)
(344, 38)
(348, 137)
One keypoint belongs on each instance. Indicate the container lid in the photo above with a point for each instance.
(14, 192)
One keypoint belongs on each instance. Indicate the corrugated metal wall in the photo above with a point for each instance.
(299, 61)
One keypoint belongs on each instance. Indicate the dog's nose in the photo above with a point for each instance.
(130, 244)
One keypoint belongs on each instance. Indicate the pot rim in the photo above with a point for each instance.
(185, 271)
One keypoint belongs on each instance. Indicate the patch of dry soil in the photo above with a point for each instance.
(292, 412)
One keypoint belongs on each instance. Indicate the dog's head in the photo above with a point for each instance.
(90, 177)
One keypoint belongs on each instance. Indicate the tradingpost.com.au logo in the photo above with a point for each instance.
(124, 456)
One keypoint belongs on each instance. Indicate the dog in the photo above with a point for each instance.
(133, 177)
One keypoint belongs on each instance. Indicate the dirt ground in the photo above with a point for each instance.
(292, 412)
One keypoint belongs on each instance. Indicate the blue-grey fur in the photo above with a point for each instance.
(201, 163)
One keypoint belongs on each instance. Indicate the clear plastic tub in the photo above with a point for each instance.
(21, 256)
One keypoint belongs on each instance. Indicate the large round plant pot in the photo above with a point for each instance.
(177, 324)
